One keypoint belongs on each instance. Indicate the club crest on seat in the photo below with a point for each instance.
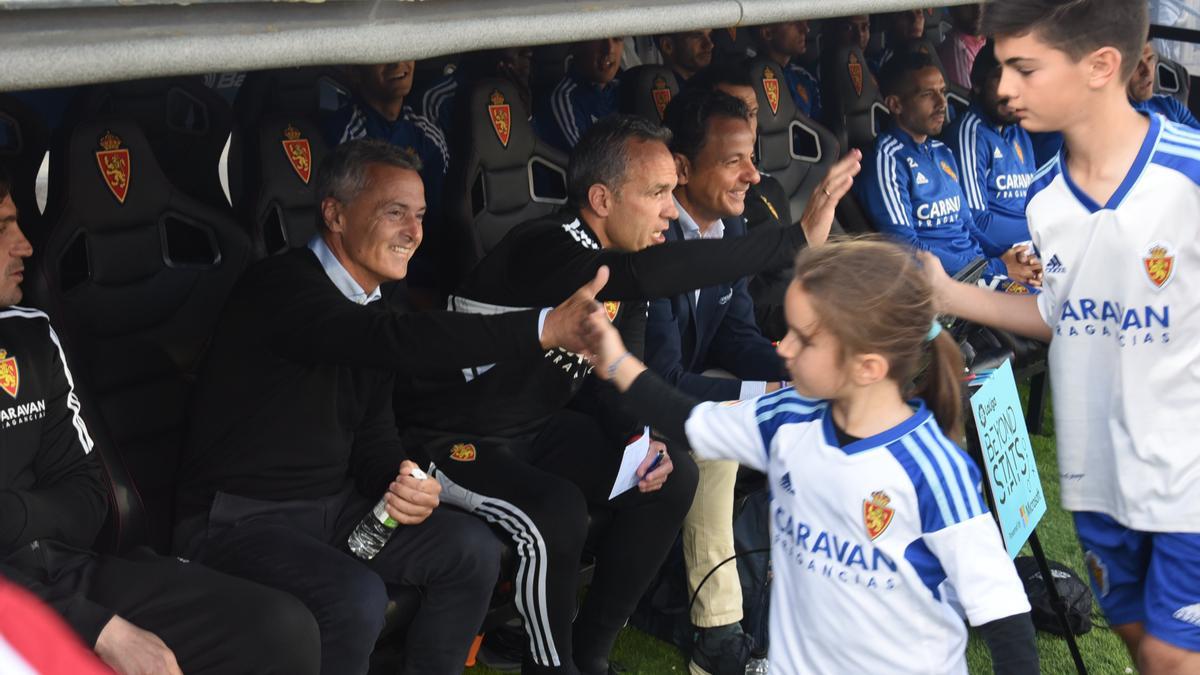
(298, 152)
(770, 85)
(115, 165)
(501, 115)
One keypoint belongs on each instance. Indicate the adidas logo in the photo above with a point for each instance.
(786, 483)
(998, 154)
(1055, 266)
(1189, 614)
(921, 179)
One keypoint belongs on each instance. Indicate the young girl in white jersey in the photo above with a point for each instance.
(881, 541)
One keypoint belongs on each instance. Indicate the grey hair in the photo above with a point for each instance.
(602, 155)
(343, 173)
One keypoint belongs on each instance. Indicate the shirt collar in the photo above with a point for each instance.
(691, 229)
(338, 274)
(906, 139)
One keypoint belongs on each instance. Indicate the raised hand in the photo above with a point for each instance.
(818, 212)
(564, 324)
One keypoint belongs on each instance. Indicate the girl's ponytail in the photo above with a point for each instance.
(941, 385)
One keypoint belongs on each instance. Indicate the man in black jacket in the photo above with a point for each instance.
(293, 438)
(534, 445)
(141, 613)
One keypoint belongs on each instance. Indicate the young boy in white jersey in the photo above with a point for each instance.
(881, 542)
(1114, 216)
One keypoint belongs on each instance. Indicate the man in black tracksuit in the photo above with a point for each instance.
(140, 612)
(531, 445)
(293, 438)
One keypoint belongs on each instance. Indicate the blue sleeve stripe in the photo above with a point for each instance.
(968, 145)
(1180, 132)
(932, 481)
(1189, 167)
(774, 399)
(881, 174)
(954, 472)
(967, 472)
(926, 565)
(787, 412)
(434, 134)
(1042, 179)
(1171, 146)
(885, 170)
(432, 101)
(564, 110)
(356, 127)
(800, 413)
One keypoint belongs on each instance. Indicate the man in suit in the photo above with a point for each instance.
(712, 328)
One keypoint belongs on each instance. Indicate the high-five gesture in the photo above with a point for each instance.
(818, 213)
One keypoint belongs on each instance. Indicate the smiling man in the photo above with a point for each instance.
(911, 187)
(714, 327)
(588, 92)
(534, 445)
(380, 109)
(293, 438)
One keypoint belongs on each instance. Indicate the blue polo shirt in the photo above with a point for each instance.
(562, 117)
(997, 163)
(911, 191)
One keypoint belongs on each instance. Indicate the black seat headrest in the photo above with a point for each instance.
(135, 272)
(853, 106)
(646, 90)
(501, 174)
(187, 123)
(24, 139)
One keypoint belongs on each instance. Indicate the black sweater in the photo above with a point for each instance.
(294, 398)
(541, 263)
(52, 500)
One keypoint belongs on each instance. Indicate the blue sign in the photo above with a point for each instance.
(1008, 457)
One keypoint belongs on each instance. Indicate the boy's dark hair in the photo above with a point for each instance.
(895, 77)
(1077, 27)
(985, 65)
(689, 113)
(602, 154)
(5, 184)
(733, 72)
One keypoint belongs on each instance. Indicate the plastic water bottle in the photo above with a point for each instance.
(756, 667)
(375, 528)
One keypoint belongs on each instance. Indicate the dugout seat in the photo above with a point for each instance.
(856, 113)
(24, 140)
(134, 272)
(1172, 79)
(646, 90)
(500, 174)
(186, 123)
(791, 147)
(268, 192)
(274, 152)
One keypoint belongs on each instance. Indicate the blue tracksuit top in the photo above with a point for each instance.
(804, 88)
(911, 191)
(1169, 107)
(997, 164)
(562, 117)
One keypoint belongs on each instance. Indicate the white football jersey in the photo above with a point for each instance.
(876, 547)
(1121, 300)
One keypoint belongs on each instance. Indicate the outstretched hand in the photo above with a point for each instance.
(564, 324)
(817, 218)
(603, 343)
(936, 275)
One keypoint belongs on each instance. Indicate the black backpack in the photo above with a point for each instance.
(1075, 594)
